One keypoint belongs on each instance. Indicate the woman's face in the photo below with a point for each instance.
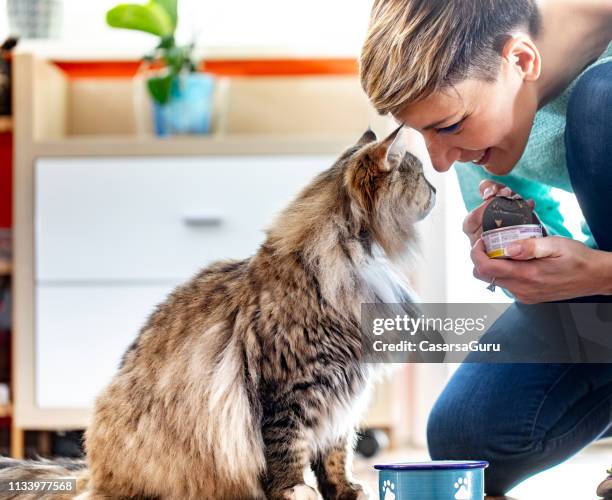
(476, 121)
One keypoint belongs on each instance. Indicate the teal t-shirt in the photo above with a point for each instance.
(541, 168)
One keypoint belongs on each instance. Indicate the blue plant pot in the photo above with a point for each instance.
(189, 109)
(442, 480)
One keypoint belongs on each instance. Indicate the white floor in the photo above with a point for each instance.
(576, 479)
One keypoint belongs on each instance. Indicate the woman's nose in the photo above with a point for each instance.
(442, 156)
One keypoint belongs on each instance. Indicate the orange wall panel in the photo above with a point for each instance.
(251, 67)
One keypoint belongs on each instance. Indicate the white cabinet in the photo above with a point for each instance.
(81, 333)
(114, 235)
(160, 219)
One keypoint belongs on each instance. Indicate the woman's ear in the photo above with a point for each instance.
(522, 54)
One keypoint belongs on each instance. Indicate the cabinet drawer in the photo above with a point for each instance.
(157, 219)
(81, 335)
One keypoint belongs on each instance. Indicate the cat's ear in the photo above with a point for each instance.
(394, 148)
(368, 137)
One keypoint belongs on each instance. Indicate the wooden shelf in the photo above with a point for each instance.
(235, 144)
(6, 124)
(5, 267)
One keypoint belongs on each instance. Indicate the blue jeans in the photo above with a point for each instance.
(525, 418)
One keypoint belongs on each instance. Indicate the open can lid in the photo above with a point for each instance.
(435, 465)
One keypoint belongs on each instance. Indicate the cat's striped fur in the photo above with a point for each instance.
(252, 371)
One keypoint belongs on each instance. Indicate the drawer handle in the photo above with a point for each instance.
(197, 219)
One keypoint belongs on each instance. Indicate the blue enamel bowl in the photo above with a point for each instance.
(438, 480)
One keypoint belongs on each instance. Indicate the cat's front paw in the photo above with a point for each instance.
(300, 492)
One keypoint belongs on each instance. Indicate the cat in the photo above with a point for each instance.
(253, 370)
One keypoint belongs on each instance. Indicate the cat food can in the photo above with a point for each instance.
(496, 240)
(438, 480)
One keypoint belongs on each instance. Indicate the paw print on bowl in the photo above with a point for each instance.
(388, 491)
(462, 489)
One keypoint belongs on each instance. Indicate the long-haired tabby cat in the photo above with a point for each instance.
(252, 371)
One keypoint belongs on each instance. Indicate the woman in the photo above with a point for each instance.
(517, 94)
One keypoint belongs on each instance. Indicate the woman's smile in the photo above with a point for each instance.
(481, 159)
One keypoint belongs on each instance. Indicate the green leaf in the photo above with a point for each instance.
(170, 6)
(151, 18)
(166, 42)
(160, 87)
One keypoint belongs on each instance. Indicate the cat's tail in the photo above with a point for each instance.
(40, 479)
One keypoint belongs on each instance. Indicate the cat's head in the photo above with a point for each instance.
(383, 176)
(386, 188)
(371, 196)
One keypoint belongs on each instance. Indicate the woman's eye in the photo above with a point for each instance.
(450, 129)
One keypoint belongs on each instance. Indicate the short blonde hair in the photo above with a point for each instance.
(417, 47)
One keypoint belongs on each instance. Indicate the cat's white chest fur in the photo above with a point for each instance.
(384, 284)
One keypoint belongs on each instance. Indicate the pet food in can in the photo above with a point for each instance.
(496, 240)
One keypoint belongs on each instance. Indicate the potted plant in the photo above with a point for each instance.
(181, 96)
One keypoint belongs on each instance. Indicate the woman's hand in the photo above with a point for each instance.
(472, 224)
(546, 269)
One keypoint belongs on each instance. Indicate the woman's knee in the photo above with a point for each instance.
(588, 142)
(591, 98)
(589, 112)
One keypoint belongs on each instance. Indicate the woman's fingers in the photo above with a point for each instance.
(489, 188)
(472, 224)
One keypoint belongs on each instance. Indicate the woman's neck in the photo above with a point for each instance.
(574, 34)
